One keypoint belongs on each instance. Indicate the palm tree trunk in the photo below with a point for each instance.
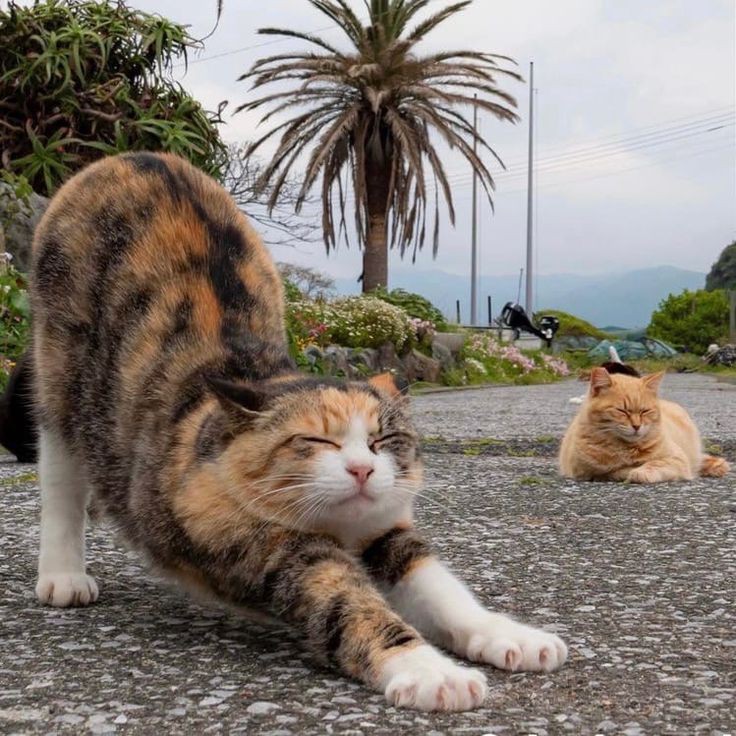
(375, 254)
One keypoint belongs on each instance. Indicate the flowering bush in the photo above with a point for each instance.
(307, 323)
(14, 314)
(367, 322)
(556, 365)
(423, 331)
(485, 359)
(414, 305)
(353, 322)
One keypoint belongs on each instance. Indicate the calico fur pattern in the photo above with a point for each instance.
(164, 388)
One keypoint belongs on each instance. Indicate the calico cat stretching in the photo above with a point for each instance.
(164, 388)
(624, 431)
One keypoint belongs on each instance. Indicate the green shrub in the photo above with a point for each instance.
(80, 79)
(691, 320)
(14, 314)
(292, 292)
(572, 326)
(368, 322)
(484, 360)
(414, 305)
(353, 322)
(306, 324)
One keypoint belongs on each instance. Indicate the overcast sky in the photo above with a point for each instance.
(635, 126)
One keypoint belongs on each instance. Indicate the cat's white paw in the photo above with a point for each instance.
(66, 589)
(424, 679)
(512, 646)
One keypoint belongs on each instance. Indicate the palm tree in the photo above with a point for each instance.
(363, 119)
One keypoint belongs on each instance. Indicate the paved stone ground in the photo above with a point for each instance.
(640, 581)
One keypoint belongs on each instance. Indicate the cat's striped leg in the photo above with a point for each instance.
(431, 598)
(325, 593)
(62, 579)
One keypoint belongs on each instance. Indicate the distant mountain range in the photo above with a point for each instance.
(626, 298)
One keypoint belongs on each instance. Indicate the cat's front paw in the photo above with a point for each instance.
(66, 589)
(512, 646)
(424, 679)
(644, 475)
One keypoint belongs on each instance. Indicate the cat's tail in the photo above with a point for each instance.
(17, 419)
(613, 354)
(714, 467)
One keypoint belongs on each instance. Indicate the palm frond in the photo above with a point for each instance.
(369, 119)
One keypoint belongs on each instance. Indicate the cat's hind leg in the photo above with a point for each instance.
(714, 467)
(62, 578)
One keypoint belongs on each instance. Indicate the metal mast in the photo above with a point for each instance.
(529, 305)
(474, 244)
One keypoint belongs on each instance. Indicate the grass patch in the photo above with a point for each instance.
(712, 448)
(546, 439)
(572, 326)
(530, 480)
(472, 451)
(19, 480)
(476, 447)
(522, 453)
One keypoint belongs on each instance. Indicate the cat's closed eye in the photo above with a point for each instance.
(320, 441)
(375, 443)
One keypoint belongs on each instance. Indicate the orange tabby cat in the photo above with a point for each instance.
(624, 431)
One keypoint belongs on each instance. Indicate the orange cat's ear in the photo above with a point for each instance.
(600, 380)
(652, 382)
(389, 384)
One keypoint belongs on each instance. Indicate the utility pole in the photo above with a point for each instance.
(474, 244)
(529, 305)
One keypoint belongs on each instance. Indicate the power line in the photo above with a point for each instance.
(702, 117)
(663, 130)
(603, 154)
(576, 152)
(709, 124)
(240, 50)
(559, 184)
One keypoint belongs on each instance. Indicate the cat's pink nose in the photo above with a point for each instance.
(636, 428)
(360, 472)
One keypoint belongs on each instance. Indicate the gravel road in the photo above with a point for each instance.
(640, 581)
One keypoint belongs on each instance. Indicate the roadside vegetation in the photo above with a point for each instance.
(81, 79)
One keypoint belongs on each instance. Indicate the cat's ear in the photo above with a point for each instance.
(390, 385)
(652, 382)
(242, 402)
(600, 380)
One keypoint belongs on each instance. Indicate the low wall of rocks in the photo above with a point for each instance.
(356, 363)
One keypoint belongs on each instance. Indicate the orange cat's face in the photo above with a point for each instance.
(623, 406)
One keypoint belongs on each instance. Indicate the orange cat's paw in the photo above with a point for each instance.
(644, 475)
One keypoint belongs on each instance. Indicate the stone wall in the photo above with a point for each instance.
(18, 234)
(357, 363)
